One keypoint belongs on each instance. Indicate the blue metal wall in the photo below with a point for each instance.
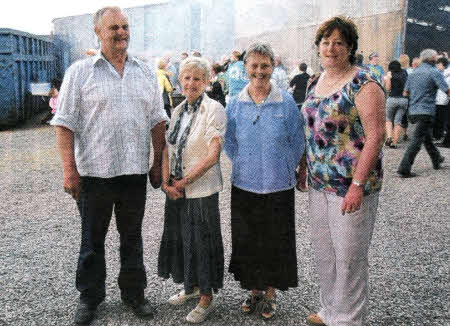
(24, 58)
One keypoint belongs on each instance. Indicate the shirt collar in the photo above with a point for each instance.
(100, 56)
(275, 95)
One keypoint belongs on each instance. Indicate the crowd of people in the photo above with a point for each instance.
(322, 133)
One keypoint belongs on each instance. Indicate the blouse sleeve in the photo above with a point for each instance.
(363, 77)
(216, 124)
(68, 109)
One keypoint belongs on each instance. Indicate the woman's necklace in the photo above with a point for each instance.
(332, 81)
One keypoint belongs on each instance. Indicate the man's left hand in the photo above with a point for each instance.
(154, 175)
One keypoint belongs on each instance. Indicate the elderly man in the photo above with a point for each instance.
(421, 87)
(110, 108)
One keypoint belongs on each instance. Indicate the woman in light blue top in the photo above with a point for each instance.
(265, 141)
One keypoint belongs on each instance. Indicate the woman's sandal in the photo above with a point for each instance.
(252, 301)
(269, 308)
(315, 320)
(388, 141)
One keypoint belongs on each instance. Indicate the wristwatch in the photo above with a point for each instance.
(357, 183)
(188, 180)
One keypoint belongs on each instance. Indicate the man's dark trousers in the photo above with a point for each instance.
(440, 122)
(126, 195)
(421, 135)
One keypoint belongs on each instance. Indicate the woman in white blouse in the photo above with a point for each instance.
(191, 249)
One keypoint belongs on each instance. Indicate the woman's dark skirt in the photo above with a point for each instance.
(263, 239)
(191, 250)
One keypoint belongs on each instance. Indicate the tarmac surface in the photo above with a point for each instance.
(40, 237)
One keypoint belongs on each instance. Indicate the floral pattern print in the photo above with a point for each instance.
(335, 138)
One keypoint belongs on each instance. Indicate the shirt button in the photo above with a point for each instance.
(184, 168)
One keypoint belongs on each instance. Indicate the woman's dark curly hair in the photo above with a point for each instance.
(348, 31)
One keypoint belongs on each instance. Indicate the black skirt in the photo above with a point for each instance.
(263, 239)
(191, 250)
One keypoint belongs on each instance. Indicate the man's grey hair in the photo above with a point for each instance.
(99, 14)
(427, 54)
(262, 49)
(198, 63)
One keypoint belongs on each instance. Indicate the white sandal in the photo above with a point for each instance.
(182, 297)
(199, 314)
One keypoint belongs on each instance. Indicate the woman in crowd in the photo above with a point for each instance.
(264, 141)
(165, 85)
(396, 104)
(216, 87)
(344, 116)
(191, 249)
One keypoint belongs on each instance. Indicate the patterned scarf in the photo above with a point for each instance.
(178, 154)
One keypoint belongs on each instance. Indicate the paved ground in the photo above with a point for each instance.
(39, 224)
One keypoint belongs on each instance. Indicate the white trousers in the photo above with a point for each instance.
(341, 245)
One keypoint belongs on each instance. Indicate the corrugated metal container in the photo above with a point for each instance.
(24, 59)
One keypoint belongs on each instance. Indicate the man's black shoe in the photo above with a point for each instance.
(141, 308)
(84, 314)
(406, 175)
(443, 145)
(437, 165)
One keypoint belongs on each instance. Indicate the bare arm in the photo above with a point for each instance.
(71, 177)
(370, 103)
(201, 167)
(158, 142)
(387, 81)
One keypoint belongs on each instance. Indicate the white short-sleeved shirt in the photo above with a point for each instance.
(111, 115)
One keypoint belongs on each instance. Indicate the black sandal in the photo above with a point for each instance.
(252, 301)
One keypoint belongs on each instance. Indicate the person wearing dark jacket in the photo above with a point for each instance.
(215, 89)
(299, 84)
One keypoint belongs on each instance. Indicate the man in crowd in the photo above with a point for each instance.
(421, 88)
(375, 67)
(299, 84)
(110, 109)
(442, 107)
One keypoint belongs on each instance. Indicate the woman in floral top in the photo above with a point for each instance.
(344, 128)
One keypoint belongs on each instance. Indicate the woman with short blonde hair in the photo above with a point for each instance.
(191, 250)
